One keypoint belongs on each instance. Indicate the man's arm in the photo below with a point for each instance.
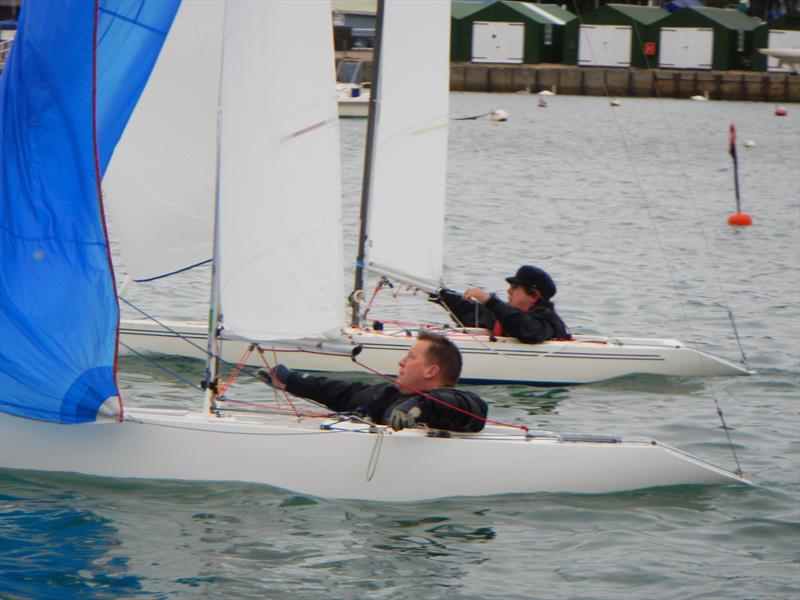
(468, 313)
(340, 396)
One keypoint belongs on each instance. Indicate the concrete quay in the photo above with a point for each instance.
(622, 82)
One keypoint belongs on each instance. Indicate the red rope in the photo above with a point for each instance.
(439, 401)
(276, 391)
(298, 413)
(279, 408)
(378, 288)
(235, 371)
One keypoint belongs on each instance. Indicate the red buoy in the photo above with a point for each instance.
(740, 220)
(781, 111)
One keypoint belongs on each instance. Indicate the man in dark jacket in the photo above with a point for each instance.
(422, 393)
(529, 315)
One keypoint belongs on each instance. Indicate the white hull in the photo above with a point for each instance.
(347, 462)
(584, 360)
(355, 108)
(350, 106)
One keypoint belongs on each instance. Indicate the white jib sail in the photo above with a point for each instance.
(280, 240)
(159, 185)
(405, 224)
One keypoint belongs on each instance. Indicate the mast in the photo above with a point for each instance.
(211, 375)
(374, 100)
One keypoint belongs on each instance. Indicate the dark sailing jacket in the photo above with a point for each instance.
(378, 400)
(539, 324)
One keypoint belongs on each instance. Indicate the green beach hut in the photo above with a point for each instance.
(459, 10)
(513, 32)
(706, 38)
(615, 35)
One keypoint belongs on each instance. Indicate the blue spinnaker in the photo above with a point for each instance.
(58, 306)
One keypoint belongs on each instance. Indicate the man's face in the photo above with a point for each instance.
(519, 298)
(415, 370)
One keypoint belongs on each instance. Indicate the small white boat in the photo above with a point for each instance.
(487, 359)
(788, 58)
(351, 92)
(353, 101)
(342, 459)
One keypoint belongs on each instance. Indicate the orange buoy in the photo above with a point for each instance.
(740, 220)
(781, 111)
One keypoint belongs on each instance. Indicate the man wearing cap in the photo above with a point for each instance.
(529, 314)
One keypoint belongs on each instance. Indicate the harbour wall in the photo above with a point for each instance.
(621, 82)
(756, 86)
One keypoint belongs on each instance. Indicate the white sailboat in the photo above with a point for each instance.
(487, 359)
(404, 191)
(351, 92)
(59, 406)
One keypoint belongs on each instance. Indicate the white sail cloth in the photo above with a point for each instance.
(159, 185)
(280, 241)
(405, 225)
(279, 247)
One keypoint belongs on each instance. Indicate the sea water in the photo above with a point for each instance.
(626, 207)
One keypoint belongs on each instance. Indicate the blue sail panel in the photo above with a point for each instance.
(58, 305)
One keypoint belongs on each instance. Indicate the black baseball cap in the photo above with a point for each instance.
(533, 278)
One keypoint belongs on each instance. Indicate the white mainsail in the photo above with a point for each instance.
(405, 225)
(159, 185)
(279, 247)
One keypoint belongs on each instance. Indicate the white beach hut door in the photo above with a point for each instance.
(686, 48)
(605, 46)
(497, 42)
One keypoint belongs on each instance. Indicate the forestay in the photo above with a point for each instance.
(63, 103)
(405, 226)
(160, 183)
(279, 247)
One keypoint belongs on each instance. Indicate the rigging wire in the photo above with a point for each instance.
(174, 332)
(659, 241)
(160, 366)
(685, 179)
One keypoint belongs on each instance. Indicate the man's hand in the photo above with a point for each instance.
(275, 377)
(477, 294)
(405, 415)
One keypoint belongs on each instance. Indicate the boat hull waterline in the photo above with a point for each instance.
(587, 359)
(350, 460)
